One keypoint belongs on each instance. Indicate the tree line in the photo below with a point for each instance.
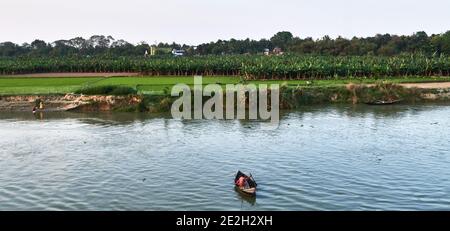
(100, 45)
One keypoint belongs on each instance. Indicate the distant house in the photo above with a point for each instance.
(277, 51)
(176, 52)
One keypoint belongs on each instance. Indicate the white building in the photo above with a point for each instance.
(176, 52)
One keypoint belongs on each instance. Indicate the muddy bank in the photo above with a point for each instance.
(357, 93)
(68, 102)
(290, 98)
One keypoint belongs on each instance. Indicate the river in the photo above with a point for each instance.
(320, 158)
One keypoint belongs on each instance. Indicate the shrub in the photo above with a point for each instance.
(107, 90)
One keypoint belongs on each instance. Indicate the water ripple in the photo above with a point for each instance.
(320, 158)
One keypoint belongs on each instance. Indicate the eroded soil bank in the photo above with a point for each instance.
(68, 102)
(290, 98)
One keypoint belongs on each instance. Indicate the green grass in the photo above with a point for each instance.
(157, 85)
(57, 85)
(166, 80)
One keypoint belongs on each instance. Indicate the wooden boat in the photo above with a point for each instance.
(251, 190)
(383, 102)
(247, 198)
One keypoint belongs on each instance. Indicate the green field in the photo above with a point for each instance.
(255, 67)
(157, 85)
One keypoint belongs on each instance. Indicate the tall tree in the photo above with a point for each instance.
(282, 39)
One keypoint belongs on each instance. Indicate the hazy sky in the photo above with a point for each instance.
(197, 21)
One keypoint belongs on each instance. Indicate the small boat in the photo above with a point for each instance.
(251, 189)
(383, 102)
(43, 110)
(250, 199)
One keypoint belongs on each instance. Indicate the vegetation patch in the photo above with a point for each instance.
(107, 90)
(288, 66)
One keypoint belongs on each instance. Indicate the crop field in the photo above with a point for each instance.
(251, 67)
(158, 85)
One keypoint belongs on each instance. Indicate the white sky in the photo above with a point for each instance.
(198, 21)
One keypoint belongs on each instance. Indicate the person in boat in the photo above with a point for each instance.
(242, 182)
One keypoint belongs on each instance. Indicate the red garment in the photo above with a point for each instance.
(241, 181)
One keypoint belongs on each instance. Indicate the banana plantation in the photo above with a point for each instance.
(251, 67)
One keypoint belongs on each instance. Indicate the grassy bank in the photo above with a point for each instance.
(162, 84)
(140, 94)
(296, 97)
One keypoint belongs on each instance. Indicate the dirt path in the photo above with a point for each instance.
(52, 75)
(436, 85)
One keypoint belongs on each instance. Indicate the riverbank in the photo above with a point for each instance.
(68, 102)
(290, 98)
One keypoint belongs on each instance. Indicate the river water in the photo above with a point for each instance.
(320, 158)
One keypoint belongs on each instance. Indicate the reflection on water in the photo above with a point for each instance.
(250, 200)
(320, 158)
(359, 110)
